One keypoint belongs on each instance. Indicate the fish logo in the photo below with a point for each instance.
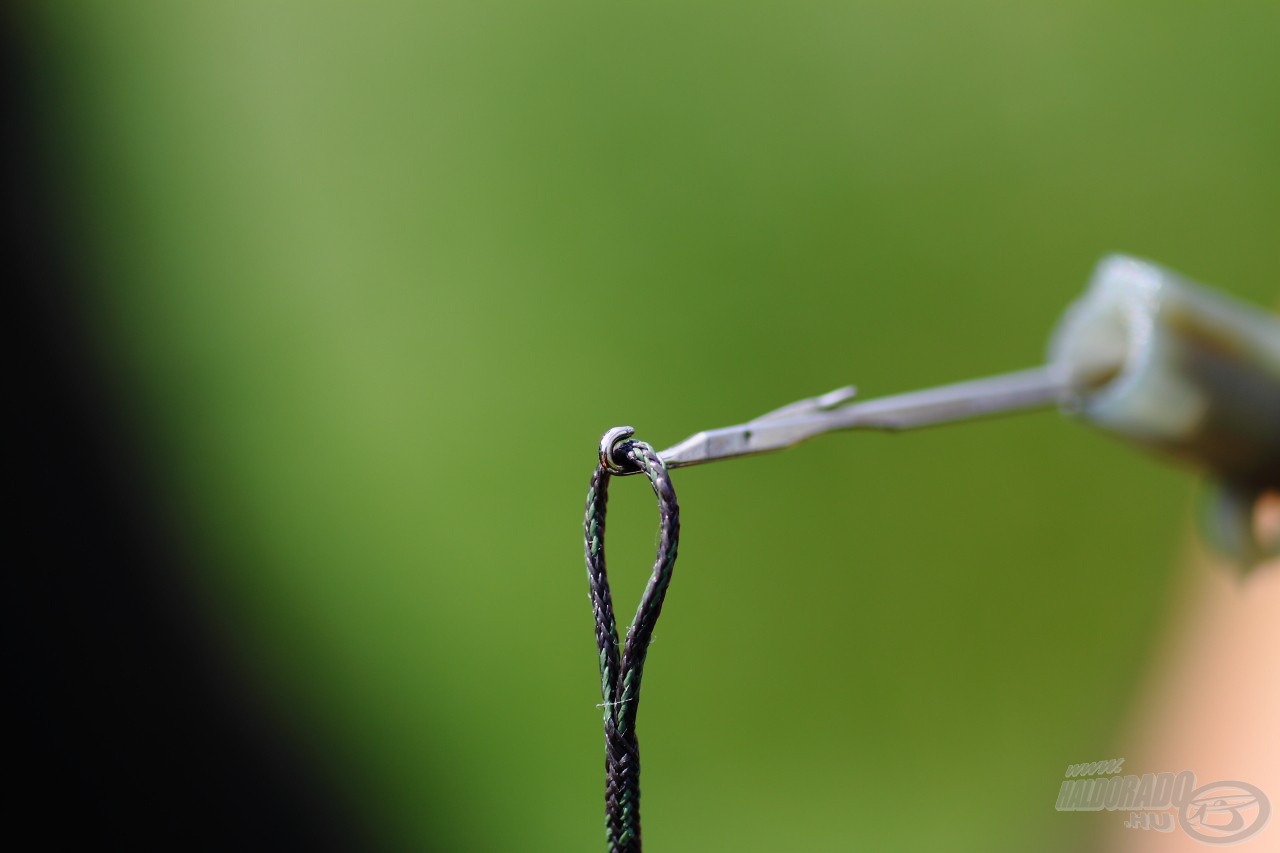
(1224, 813)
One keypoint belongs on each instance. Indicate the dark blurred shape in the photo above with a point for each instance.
(131, 724)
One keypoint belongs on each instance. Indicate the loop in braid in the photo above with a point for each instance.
(621, 667)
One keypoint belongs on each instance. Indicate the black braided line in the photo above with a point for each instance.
(622, 670)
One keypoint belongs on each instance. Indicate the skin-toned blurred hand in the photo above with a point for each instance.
(1213, 703)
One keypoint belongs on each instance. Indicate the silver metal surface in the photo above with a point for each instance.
(610, 440)
(804, 419)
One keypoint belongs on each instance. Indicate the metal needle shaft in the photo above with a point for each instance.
(797, 422)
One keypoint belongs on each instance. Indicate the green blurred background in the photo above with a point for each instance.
(377, 276)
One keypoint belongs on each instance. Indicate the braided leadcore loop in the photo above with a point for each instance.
(622, 665)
